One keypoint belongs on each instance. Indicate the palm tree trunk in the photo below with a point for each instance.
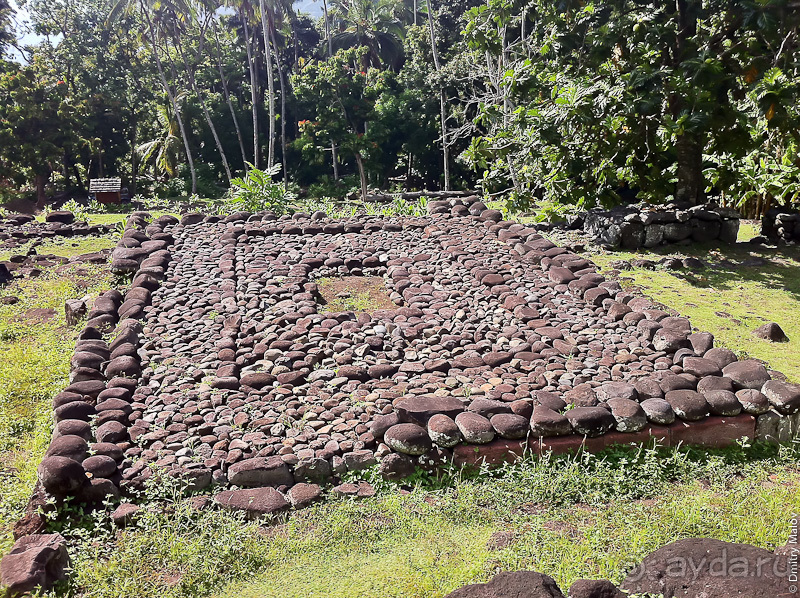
(270, 84)
(282, 85)
(362, 174)
(249, 42)
(206, 113)
(334, 156)
(228, 97)
(442, 105)
(170, 95)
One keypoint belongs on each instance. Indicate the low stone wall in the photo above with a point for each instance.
(645, 225)
(781, 226)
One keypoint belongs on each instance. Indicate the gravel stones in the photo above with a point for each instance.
(409, 439)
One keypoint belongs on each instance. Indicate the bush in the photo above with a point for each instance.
(257, 192)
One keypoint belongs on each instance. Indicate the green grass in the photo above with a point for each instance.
(573, 517)
(64, 247)
(34, 364)
(742, 287)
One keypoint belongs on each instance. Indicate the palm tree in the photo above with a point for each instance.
(152, 36)
(162, 152)
(372, 24)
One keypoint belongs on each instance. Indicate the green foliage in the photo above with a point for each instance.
(579, 516)
(619, 93)
(257, 192)
(80, 211)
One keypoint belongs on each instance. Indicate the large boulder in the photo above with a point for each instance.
(61, 476)
(706, 568)
(36, 561)
(746, 374)
(255, 502)
(517, 584)
(260, 471)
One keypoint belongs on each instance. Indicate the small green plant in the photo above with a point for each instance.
(257, 192)
(79, 211)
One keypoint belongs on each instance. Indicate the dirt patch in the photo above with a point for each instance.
(354, 293)
(38, 315)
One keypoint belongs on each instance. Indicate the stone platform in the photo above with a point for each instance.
(225, 370)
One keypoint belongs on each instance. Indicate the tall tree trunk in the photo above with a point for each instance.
(134, 161)
(329, 43)
(249, 43)
(690, 186)
(206, 113)
(170, 95)
(282, 84)
(363, 175)
(270, 84)
(442, 104)
(227, 93)
(415, 13)
(40, 181)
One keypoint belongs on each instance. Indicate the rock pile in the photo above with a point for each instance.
(646, 225)
(781, 226)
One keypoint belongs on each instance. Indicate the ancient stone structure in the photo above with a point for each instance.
(225, 371)
(781, 226)
(646, 225)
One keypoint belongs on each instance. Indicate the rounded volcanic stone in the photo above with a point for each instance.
(258, 380)
(475, 428)
(547, 422)
(723, 402)
(522, 407)
(753, 401)
(594, 588)
(714, 383)
(409, 439)
(591, 421)
(771, 332)
(783, 396)
(61, 476)
(255, 502)
(99, 490)
(560, 275)
(100, 466)
(688, 405)
(382, 423)
(111, 431)
(617, 390)
(302, 495)
(700, 367)
(629, 415)
(658, 411)
(746, 374)
(496, 358)
(669, 340)
(73, 427)
(720, 356)
(260, 471)
(443, 431)
(421, 409)
(510, 425)
(648, 389)
(395, 466)
(73, 447)
(108, 449)
(79, 410)
(488, 407)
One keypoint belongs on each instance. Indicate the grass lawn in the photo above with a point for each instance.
(35, 349)
(569, 517)
(742, 287)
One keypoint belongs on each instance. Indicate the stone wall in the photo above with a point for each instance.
(645, 225)
(781, 225)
